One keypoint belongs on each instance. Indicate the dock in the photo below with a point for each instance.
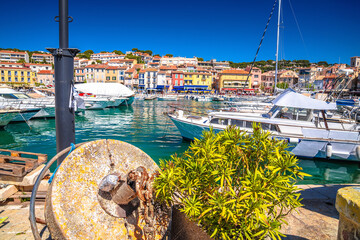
(317, 219)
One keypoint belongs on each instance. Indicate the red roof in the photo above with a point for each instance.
(46, 72)
(7, 51)
(234, 71)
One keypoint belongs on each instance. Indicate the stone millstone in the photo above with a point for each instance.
(73, 210)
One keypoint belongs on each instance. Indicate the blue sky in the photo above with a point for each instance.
(224, 30)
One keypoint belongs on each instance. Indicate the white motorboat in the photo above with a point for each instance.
(6, 116)
(30, 107)
(115, 90)
(295, 118)
(168, 98)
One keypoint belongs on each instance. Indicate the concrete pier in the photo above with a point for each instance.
(317, 219)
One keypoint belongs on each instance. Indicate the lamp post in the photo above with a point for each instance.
(64, 77)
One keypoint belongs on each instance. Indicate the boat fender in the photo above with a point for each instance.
(328, 150)
(293, 140)
(358, 152)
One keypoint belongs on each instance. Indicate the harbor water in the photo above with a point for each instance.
(144, 125)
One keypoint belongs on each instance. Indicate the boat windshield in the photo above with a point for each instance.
(15, 96)
(272, 112)
(291, 113)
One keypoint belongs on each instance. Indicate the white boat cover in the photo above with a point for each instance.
(290, 98)
(105, 89)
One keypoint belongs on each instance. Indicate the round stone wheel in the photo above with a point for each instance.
(74, 209)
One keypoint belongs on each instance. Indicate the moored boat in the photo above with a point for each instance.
(295, 118)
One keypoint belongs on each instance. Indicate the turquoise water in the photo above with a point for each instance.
(144, 125)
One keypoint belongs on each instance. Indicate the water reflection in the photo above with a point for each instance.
(144, 125)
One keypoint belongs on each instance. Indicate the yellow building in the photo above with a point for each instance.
(112, 74)
(197, 81)
(19, 76)
(233, 80)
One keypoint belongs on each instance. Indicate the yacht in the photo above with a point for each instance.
(6, 116)
(295, 118)
(30, 107)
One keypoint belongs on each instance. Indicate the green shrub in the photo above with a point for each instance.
(235, 185)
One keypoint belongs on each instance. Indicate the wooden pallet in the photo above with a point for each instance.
(20, 197)
(14, 165)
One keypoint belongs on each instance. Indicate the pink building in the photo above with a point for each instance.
(255, 77)
(45, 77)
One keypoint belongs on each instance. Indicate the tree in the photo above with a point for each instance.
(200, 59)
(21, 61)
(135, 50)
(99, 61)
(148, 52)
(44, 61)
(235, 185)
(157, 55)
(118, 52)
(103, 52)
(169, 55)
(323, 63)
(138, 58)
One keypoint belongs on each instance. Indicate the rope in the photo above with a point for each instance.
(262, 38)
(71, 149)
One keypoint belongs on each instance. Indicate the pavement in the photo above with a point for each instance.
(317, 219)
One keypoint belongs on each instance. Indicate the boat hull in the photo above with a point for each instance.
(301, 148)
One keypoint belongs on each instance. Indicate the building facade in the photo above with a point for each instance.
(42, 57)
(17, 76)
(355, 62)
(11, 56)
(234, 80)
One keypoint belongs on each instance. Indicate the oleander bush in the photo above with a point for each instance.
(234, 185)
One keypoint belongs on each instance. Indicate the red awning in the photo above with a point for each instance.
(249, 89)
(229, 89)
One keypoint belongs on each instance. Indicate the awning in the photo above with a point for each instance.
(290, 98)
(229, 89)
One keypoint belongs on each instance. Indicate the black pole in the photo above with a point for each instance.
(64, 74)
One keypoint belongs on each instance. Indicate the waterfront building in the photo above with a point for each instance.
(122, 62)
(289, 77)
(82, 62)
(178, 61)
(177, 80)
(234, 80)
(307, 75)
(79, 75)
(147, 78)
(17, 76)
(11, 64)
(162, 82)
(45, 77)
(36, 67)
(197, 81)
(12, 56)
(132, 78)
(355, 62)
(42, 57)
(112, 74)
(268, 81)
(213, 64)
(121, 74)
(106, 57)
(256, 76)
(95, 73)
(319, 83)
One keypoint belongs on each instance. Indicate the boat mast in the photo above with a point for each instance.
(277, 46)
